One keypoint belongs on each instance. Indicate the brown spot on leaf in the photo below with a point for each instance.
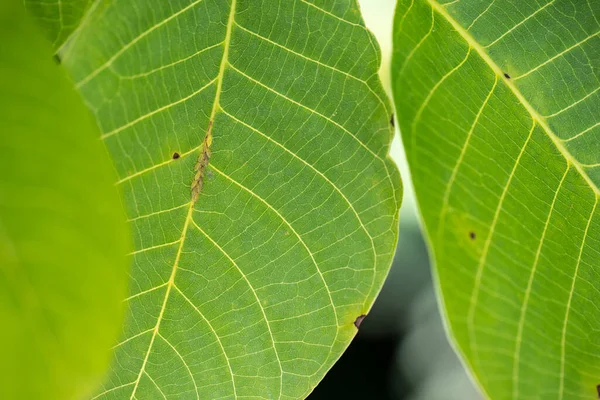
(176, 156)
(598, 390)
(202, 163)
(507, 76)
(472, 235)
(392, 121)
(359, 321)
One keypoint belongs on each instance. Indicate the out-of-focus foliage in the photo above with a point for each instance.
(63, 235)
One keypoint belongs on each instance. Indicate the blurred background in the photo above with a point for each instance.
(401, 351)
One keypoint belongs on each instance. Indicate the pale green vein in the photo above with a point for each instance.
(414, 50)
(132, 338)
(460, 159)
(111, 390)
(563, 339)
(572, 104)
(534, 114)
(417, 117)
(312, 111)
(583, 133)
(182, 360)
(216, 337)
(486, 246)
(480, 15)
(312, 60)
(523, 313)
(332, 14)
(158, 246)
(562, 53)
(169, 65)
(518, 25)
(152, 289)
(165, 211)
(315, 170)
(159, 165)
(270, 207)
(155, 385)
(264, 314)
(158, 110)
(133, 42)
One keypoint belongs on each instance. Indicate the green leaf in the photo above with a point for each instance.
(58, 18)
(63, 235)
(499, 109)
(251, 140)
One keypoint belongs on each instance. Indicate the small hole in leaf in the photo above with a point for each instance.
(176, 156)
(472, 235)
(359, 321)
(507, 76)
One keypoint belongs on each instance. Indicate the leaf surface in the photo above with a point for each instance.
(499, 109)
(59, 18)
(63, 232)
(251, 140)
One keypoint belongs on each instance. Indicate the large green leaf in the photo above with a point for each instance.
(63, 235)
(58, 18)
(499, 107)
(251, 140)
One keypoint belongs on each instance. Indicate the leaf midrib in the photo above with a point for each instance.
(188, 218)
(536, 116)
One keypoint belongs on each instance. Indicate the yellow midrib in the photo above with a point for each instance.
(190, 212)
(537, 117)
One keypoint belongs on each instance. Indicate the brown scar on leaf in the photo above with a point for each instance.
(472, 235)
(507, 76)
(176, 156)
(202, 163)
(359, 320)
(392, 121)
(598, 390)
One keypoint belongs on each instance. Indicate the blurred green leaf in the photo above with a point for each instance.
(63, 236)
(251, 140)
(499, 103)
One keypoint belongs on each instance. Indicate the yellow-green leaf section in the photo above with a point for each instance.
(499, 107)
(251, 141)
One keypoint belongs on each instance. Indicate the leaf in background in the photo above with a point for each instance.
(251, 140)
(499, 103)
(63, 236)
(58, 18)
